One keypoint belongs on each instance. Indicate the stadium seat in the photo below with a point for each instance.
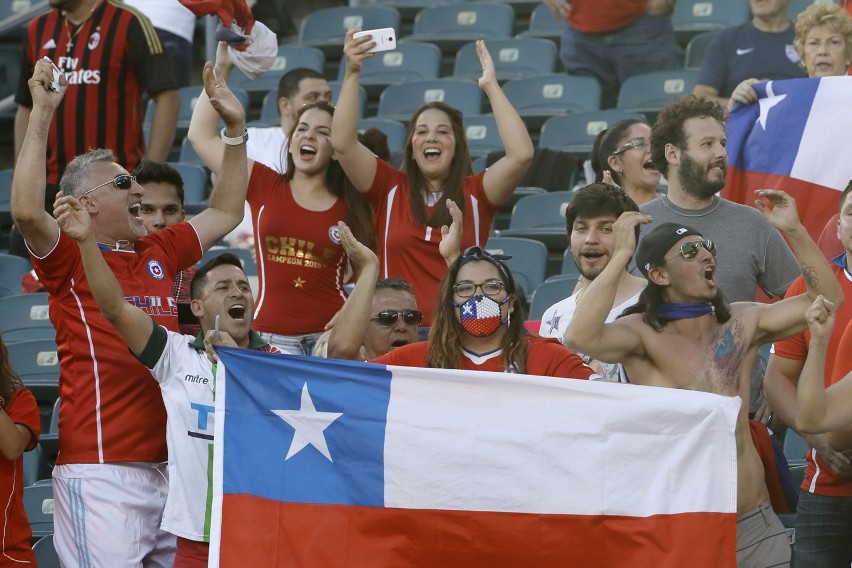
(501, 219)
(576, 133)
(249, 266)
(45, 553)
(408, 9)
(38, 504)
(523, 7)
(194, 183)
(32, 466)
(541, 217)
(479, 164)
(451, 26)
(529, 258)
(326, 29)
(544, 24)
(362, 96)
(289, 57)
(481, 133)
(188, 98)
(398, 102)
(6, 193)
(649, 93)
(514, 58)
(395, 131)
(11, 269)
(548, 293)
(569, 268)
(188, 155)
(410, 61)
(24, 317)
(795, 447)
(269, 115)
(538, 98)
(695, 49)
(691, 17)
(10, 67)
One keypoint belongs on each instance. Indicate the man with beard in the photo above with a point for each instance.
(589, 218)
(688, 146)
(682, 333)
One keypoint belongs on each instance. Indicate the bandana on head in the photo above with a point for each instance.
(480, 315)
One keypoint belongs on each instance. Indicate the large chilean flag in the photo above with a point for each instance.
(323, 463)
(795, 138)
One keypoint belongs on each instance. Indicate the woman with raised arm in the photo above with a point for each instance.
(409, 205)
(301, 263)
(19, 431)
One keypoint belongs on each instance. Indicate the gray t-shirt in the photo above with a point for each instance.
(750, 253)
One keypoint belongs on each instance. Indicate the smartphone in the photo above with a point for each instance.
(385, 38)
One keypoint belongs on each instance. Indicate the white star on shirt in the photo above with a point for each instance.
(308, 425)
(553, 322)
(767, 103)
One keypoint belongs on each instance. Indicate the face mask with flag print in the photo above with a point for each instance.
(480, 315)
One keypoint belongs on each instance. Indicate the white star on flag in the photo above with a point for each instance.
(308, 425)
(767, 103)
(468, 310)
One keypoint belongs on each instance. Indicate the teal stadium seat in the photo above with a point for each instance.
(326, 29)
(24, 317)
(576, 133)
(398, 102)
(541, 217)
(410, 61)
(691, 17)
(38, 504)
(550, 292)
(395, 131)
(481, 133)
(695, 49)
(556, 94)
(528, 262)
(544, 24)
(514, 58)
(12, 268)
(649, 93)
(289, 57)
(194, 185)
(451, 26)
(45, 553)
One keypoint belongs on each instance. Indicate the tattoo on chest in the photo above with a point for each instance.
(727, 346)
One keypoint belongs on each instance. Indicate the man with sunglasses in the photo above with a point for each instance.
(109, 481)
(688, 146)
(683, 333)
(393, 319)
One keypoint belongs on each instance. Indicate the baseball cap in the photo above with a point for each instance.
(654, 246)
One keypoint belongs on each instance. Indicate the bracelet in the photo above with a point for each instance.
(235, 141)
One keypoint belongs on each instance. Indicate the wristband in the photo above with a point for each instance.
(236, 141)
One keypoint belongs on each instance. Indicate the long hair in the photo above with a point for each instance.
(9, 379)
(359, 214)
(651, 299)
(445, 338)
(606, 143)
(460, 168)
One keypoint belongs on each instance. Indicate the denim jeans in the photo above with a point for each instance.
(823, 531)
(644, 45)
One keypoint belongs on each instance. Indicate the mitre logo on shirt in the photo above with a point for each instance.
(298, 252)
(68, 65)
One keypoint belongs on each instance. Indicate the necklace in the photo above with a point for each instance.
(73, 37)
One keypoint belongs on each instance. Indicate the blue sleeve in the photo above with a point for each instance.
(714, 66)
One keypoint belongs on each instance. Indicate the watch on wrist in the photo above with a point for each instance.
(235, 141)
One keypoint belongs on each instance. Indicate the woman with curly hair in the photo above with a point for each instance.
(19, 431)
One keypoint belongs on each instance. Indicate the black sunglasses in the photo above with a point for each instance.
(689, 250)
(390, 317)
(121, 181)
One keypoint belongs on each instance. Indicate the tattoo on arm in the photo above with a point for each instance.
(810, 276)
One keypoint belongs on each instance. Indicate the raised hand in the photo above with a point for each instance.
(72, 217)
(744, 93)
(224, 101)
(624, 230)
(783, 214)
(451, 237)
(211, 341)
(39, 84)
(355, 51)
(489, 75)
(820, 318)
(358, 254)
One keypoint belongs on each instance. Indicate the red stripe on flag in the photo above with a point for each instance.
(815, 203)
(260, 532)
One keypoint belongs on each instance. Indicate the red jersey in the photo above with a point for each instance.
(300, 261)
(600, 16)
(15, 549)
(545, 357)
(408, 249)
(819, 478)
(111, 410)
(109, 60)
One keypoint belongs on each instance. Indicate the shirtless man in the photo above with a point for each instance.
(682, 311)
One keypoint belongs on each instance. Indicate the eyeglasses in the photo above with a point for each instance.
(690, 249)
(390, 317)
(121, 181)
(637, 143)
(468, 289)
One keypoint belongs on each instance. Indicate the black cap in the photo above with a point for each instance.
(654, 246)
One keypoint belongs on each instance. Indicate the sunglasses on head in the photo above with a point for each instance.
(390, 317)
(121, 181)
(689, 250)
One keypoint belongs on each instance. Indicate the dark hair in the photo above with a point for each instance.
(460, 168)
(445, 348)
(149, 171)
(668, 128)
(199, 280)
(376, 141)
(288, 85)
(845, 193)
(359, 214)
(394, 284)
(606, 143)
(598, 199)
(10, 381)
(651, 299)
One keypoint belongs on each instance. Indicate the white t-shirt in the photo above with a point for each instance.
(555, 321)
(169, 15)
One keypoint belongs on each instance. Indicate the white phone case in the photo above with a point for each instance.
(385, 38)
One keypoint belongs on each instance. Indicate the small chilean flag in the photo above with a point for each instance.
(795, 138)
(480, 316)
(326, 463)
